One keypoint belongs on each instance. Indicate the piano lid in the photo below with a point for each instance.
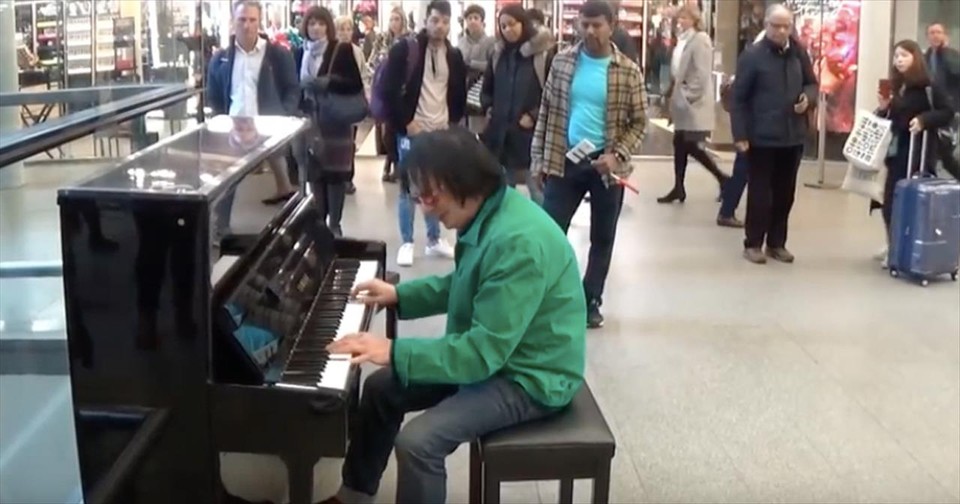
(196, 162)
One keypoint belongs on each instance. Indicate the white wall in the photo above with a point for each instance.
(873, 63)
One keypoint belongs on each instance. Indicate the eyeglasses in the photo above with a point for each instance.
(420, 197)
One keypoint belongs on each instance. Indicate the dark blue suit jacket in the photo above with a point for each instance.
(278, 90)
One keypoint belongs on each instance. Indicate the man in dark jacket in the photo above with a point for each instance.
(944, 65)
(275, 82)
(428, 97)
(774, 89)
(253, 77)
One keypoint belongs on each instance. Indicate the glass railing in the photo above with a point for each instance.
(38, 457)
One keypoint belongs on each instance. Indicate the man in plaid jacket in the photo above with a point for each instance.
(592, 108)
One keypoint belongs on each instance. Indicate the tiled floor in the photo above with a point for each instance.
(823, 381)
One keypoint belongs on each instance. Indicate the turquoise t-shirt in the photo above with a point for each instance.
(588, 101)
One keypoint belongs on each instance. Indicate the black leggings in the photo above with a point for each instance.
(688, 144)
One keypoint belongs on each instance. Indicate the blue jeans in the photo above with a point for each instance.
(562, 197)
(454, 415)
(406, 207)
(732, 191)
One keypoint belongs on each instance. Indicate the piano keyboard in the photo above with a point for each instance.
(335, 315)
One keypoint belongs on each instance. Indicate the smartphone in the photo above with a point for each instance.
(886, 88)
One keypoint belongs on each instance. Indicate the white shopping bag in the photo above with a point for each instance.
(867, 182)
(866, 147)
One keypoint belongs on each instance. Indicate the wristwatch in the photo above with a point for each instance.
(621, 157)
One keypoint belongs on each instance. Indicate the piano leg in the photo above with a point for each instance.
(300, 479)
(391, 329)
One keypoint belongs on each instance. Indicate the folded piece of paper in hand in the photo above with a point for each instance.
(580, 151)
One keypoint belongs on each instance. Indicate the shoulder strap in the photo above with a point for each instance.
(540, 67)
(413, 53)
(494, 59)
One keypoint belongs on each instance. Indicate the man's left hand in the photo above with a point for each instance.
(606, 163)
(363, 347)
(802, 104)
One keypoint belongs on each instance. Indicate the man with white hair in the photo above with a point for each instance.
(774, 89)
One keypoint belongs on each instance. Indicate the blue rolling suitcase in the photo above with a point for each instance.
(925, 225)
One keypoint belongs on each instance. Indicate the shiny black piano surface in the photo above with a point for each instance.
(138, 242)
(196, 162)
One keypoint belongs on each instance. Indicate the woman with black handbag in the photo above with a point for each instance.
(330, 80)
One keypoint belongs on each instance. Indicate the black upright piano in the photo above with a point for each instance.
(197, 325)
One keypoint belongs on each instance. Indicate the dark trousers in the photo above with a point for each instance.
(562, 197)
(773, 181)
(732, 190)
(945, 154)
(330, 197)
(687, 144)
(454, 415)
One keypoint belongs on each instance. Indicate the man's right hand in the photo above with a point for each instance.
(413, 128)
(376, 292)
(743, 146)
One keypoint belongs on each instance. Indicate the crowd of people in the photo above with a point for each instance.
(534, 105)
(564, 123)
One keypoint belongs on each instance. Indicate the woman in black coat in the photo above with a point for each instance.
(512, 86)
(327, 67)
(915, 105)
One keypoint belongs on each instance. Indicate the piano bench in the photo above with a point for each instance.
(576, 443)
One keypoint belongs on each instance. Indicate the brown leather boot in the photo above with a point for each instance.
(730, 222)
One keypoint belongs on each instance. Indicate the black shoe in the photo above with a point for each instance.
(677, 194)
(351, 188)
(594, 317)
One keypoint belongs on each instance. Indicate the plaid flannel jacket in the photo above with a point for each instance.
(626, 114)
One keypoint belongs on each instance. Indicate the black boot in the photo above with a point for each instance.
(388, 172)
(676, 194)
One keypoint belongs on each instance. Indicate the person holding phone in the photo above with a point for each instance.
(914, 104)
(769, 120)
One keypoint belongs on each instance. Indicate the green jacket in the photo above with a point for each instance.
(514, 304)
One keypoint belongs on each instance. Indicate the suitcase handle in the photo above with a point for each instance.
(923, 154)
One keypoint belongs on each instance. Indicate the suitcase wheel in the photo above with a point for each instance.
(953, 276)
(894, 273)
(924, 282)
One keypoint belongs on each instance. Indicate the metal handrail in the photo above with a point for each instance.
(31, 269)
(27, 142)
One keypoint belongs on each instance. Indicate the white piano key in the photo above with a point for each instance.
(334, 375)
(367, 271)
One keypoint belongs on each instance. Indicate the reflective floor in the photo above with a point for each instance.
(824, 381)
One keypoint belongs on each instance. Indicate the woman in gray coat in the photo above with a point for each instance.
(691, 100)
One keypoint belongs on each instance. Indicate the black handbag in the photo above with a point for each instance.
(340, 108)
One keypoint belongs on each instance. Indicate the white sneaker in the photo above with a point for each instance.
(440, 248)
(881, 255)
(405, 255)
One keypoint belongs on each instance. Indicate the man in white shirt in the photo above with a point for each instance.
(253, 77)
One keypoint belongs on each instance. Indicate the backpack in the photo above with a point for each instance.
(379, 105)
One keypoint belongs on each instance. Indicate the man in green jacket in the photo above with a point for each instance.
(515, 337)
